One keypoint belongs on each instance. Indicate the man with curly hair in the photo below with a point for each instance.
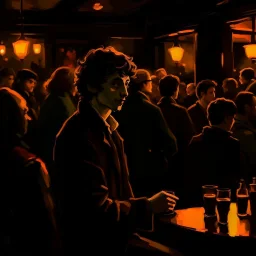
(95, 204)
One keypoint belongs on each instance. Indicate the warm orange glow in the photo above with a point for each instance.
(173, 34)
(97, 6)
(176, 53)
(37, 48)
(21, 48)
(2, 49)
(193, 218)
(250, 51)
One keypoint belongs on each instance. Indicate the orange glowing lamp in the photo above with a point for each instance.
(250, 51)
(97, 6)
(37, 48)
(176, 53)
(21, 48)
(2, 49)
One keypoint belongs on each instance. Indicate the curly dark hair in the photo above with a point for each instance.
(97, 65)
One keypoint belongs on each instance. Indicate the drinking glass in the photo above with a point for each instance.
(209, 196)
(252, 195)
(170, 212)
(223, 204)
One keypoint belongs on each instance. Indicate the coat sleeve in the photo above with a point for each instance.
(133, 213)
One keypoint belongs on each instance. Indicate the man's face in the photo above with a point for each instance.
(8, 81)
(242, 80)
(190, 90)
(209, 96)
(114, 92)
(29, 85)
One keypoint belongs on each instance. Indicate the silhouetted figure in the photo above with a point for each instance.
(28, 224)
(230, 87)
(205, 92)
(213, 156)
(149, 144)
(7, 76)
(56, 109)
(246, 77)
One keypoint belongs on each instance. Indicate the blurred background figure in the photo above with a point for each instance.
(160, 73)
(57, 108)
(191, 95)
(25, 83)
(230, 86)
(7, 76)
(155, 95)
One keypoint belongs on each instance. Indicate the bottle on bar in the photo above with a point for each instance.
(242, 196)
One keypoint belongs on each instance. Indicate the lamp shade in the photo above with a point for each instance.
(97, 6)
(250, 51)
(2, 49)
(176, 53)
(21, 48)
(37, 48)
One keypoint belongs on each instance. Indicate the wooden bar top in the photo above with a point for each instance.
(193, 219)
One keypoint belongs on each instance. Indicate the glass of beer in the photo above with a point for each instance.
(209, 196)
(223, 204)
(252, 191)
(170, 212)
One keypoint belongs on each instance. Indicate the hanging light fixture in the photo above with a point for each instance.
(37, 48)
(2, 49)
(97, 6)
(21, 46)
(250, 49)
(176, 52)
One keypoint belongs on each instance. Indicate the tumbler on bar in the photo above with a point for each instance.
(209, 196)
(252, 191)
(223, 204)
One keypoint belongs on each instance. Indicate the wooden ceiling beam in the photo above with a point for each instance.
(68, 5)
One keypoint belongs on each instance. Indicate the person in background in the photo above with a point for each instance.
(7, 76)
(205, 92)
(180, 124)
(155, 95)
(182, 94)
(214, 155)
(24, 83)
(160, 73)
(191, 98)
(230, 86)
(56, 109)
(150, 144)
(245, 132)
(246, 77)
(27, 210)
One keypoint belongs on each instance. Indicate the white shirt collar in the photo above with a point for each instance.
(111, 122)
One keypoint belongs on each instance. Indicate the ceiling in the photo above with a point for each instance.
(109, 6)
(33, 4)
(127, 18)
